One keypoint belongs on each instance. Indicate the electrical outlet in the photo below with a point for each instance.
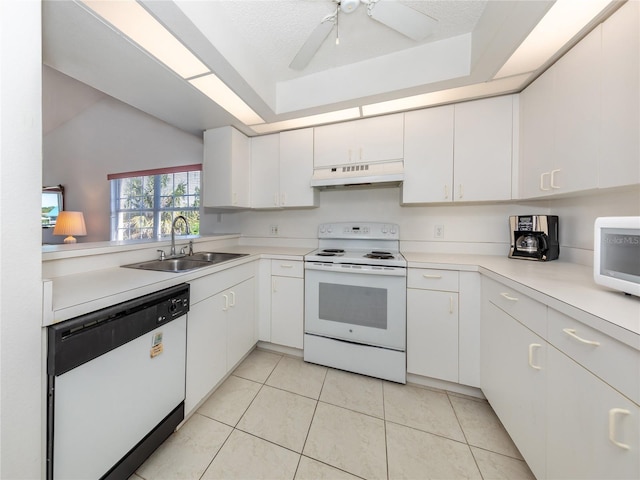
(274, 230)
(438, 231)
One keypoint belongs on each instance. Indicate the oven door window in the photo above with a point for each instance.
(354, 305)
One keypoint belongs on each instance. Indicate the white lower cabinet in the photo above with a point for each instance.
(287, 303)
(237, 304)
(593, 432)
(549, 379)
(513, 371)
(221, 329)
(206, 350)
(435, 329)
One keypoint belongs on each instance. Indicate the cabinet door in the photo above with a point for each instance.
(513, 377)
(619, 163)
(379, 138)
(265, 171)
(432, 334)
(483, 138)
(585, 417)
(206, 349)
(287, 311)
(239, 304)
(296, 169)
(537, 134)
(369, 140)
(332, 144)
(428, 155)
(578, 113)
(227, 159)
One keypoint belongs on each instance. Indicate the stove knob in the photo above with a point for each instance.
(393, 230)
(384, 229)
(329, 229)
(322, 228)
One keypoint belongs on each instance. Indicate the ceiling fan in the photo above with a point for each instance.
(401, 18)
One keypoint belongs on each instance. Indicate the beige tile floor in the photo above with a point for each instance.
(277, 417)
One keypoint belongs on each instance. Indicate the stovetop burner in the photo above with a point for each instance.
(331, 252)
(380, 255)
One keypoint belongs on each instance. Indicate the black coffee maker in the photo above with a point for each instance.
(534, 237)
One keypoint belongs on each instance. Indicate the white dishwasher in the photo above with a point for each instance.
(116, 385)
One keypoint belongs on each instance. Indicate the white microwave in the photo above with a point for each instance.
(616, 262)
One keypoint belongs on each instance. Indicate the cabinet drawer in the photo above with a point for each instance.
(614, 362)
(287, 268)
(531, 313)
(428, 279)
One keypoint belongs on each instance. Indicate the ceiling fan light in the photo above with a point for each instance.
(348, 6)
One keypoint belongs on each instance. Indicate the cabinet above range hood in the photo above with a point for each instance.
(382, 174)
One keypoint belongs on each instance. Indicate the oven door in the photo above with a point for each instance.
(356, 303)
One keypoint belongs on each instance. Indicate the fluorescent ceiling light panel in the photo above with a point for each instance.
(446, 96)
(561, 23)
(219, 92)
(140, 26)
(330, 117)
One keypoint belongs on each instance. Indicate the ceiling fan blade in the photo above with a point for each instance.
(402, 19)
(313, 43)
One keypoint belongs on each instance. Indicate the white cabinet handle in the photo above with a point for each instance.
(460, 191)
(532, 347)
(426, 275)
(233, 299)
(542, 175)
(612, 426)
(553, 178)
(509, 297)
(572, 333)
(451, 305)
(446, 191)
(274, 286)
(275, 198)
(226, 303)
(286, 265)
(283, 198)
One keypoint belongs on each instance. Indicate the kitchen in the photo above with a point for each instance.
(485, 224)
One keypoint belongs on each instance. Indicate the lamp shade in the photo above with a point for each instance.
(70, 224)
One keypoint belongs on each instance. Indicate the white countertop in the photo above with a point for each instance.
(77, 294)
(566, 287)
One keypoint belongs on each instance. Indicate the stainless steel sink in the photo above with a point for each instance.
(215, 257)
(186, 263)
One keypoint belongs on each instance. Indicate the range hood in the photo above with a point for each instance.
(359, 175)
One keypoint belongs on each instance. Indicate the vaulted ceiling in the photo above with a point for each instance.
(250, 44)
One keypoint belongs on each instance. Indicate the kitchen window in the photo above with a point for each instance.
(144, 203)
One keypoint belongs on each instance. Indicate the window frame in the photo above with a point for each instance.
(156, 210)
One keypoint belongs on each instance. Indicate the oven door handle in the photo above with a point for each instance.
(357, 269)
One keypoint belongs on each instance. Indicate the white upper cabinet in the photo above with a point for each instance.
(428, 155)
(560, 124)
(577, 101)
(580, 120)
(620, 150)
(226, 167)
(265, 171)
(296, 169)
(537, 136)
(483, 142)
(369, 140)
(281, 170)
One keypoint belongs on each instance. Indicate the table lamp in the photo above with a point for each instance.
(70, 224)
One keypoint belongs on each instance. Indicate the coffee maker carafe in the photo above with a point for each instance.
(534, 237)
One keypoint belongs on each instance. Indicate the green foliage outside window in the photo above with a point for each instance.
(144, 207)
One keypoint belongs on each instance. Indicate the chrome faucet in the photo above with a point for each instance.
(173, 233)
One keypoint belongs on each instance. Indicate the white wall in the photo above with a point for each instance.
(472, 228)
(105, 136)
(21, 393)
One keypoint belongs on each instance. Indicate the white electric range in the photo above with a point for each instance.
(355, 300)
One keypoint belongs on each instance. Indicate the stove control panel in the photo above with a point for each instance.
(371, 230)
